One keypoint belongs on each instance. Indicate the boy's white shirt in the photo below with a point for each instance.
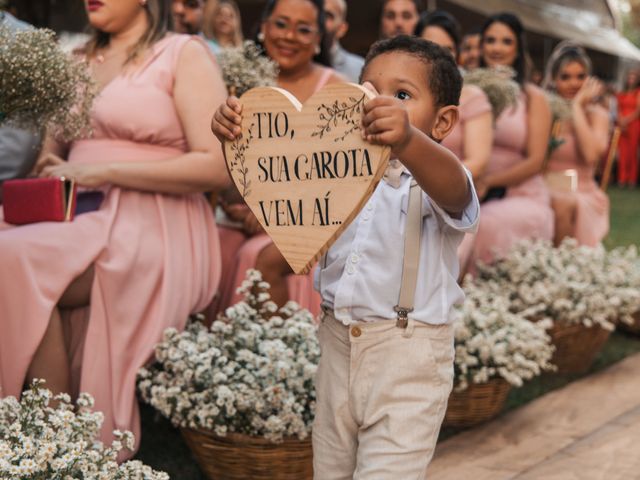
(359, 277)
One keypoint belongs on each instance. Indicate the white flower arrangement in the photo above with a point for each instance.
(570, 284)
(245, 67)
(40, 442)
(493, 342)
(252, 372)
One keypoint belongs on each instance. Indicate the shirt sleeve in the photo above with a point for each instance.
(468, 222)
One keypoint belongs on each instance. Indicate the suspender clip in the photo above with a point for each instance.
(403, 316)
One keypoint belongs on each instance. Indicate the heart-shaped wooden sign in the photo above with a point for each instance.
(304, 170)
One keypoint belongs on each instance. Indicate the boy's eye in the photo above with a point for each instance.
(402, 95)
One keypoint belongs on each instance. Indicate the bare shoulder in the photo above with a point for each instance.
(535, 93)
(194, 50)
(536, 98)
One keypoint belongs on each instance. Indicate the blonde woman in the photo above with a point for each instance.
(222, 23)
(582, 213)
(149, 255)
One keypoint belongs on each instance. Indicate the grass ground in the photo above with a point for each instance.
(163, 448)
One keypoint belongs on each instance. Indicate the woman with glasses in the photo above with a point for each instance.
(583, 212)
(292, 35)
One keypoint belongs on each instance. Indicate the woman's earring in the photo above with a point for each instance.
(318, 50)
(261, 37)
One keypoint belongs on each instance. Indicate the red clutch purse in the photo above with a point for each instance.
(32, 200)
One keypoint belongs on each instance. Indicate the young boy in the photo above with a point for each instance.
(389, 281)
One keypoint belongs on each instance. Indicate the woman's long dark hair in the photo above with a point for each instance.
(443, 20)
(324, 57)
(521, 64)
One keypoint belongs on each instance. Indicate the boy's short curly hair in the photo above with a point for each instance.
(445, 81)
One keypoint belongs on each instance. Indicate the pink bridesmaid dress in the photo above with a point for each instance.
(240, 253)
(525, 211)
(592, 216)
(473, 105)
(155, 256)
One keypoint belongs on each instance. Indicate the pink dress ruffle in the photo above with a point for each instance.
(156, 256)
(525, 211)
(592, 216)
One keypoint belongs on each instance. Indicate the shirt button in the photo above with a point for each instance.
(356, 332)
(366, 216)
(354, 258)
(351, 270)
(369, 207)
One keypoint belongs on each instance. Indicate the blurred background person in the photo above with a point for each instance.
(222, 23)
(582, 213)
(469, 57)
(188, 16)
(345, 63)
(516, 204)
(399, 17)
(629, 123)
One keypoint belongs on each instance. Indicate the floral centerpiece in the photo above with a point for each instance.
(571, 283)
(41, 86)
(495, 349)
(250, 376)
(581, 288)
(245, 67)
(623, 265)
(42, 442)
(493, 342)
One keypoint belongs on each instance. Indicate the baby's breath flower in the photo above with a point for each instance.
(39, 442)
(244, 68)
(498, 84)
(251, 372)
(41, 86)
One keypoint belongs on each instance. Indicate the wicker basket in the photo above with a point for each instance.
(242, 457)
(576, 346)
(476, 404)
(634, 328)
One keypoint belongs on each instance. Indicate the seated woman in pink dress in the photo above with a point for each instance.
(583, 212)
(292, 35)
(472, 137)
(516, 200)
(149, 256)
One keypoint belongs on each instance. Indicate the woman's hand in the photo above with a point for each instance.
(590, 91)
(48, 160)
(91, 176)
(227, 121)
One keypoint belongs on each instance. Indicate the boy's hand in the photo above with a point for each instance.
(385, 121)
(226, 122)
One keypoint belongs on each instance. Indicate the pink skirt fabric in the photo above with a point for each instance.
(155, 259)
(240, 253)
(524, 213)
(592, 216)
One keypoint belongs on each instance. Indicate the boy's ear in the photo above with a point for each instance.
(446, 119)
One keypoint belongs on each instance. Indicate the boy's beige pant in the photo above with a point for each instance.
(382, 394)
